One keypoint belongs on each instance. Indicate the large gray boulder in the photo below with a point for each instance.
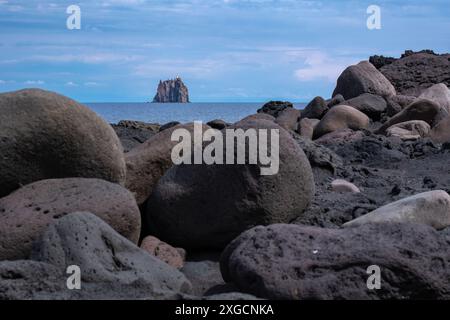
(206, 206)
(439, 93)
(363, 78)
(26, 213)
(111, 267)
(45, 135)
(299, 262)
(341, 117)
(431, 208)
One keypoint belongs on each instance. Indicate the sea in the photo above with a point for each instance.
(182, 112)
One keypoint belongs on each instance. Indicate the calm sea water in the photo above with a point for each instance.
(182, 112)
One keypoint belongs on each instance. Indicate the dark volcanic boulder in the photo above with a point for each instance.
(415, 72)
(273, 108)
(363, 78)
(218, 124)
(44, 135)
(420, 109)
(369, 104)
(306, 127)
(316, 109)
(111, 266)
(206, 206)
(133, 133)
(168, 125)
(25, 213)
(341, 117)
(299, 262)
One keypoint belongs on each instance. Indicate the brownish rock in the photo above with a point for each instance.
(172, 256)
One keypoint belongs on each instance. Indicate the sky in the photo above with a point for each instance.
(224, 50)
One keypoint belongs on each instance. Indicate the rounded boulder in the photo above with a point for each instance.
(45, 135)
(206, 206)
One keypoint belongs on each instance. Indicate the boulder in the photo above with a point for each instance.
(296, 262)
(441, 132)
(111, 266)
(369, 104)
(288, 119)
(206, 206)
(340, 136)
(420, 109)
(431, 208)
(258, 116)
(218, 124)
(133, 133)
(438, 93)
(147, 163)
(168, 125)
(316, 109)
(26, 212)
(306, 127)
(342, 186)
(273, 108)
(393, 107)
(403, 100)
(341, 117)
(45, 135)
(163, 251)
(409, 130)
(337, 99)
(363, 78)
(204, 274)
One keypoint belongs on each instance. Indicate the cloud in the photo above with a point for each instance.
(71, 84)
(34, 82)
(319, 66)
(91, 84)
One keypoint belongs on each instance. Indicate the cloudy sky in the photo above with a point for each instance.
(225, 50)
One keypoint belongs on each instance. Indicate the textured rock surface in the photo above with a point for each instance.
(133, 133)
(111, 266)
(44, 135)
(441, 132)
(26, 213)
(341, 117)
(288, 119)
(165, 252)
(415, 72)
(306, 127)
(298, 262)
(363, 78)
(191, 207)
(273, 108)
(431, 208)
(174, 91)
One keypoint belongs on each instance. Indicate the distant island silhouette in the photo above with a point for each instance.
(173, 90)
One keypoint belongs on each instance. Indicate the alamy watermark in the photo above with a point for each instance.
(374, 280)
(374, 20)
(228, 147)
(73, 22)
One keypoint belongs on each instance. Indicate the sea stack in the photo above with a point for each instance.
(174, 91)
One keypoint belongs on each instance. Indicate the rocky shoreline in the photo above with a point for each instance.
(364, 180)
